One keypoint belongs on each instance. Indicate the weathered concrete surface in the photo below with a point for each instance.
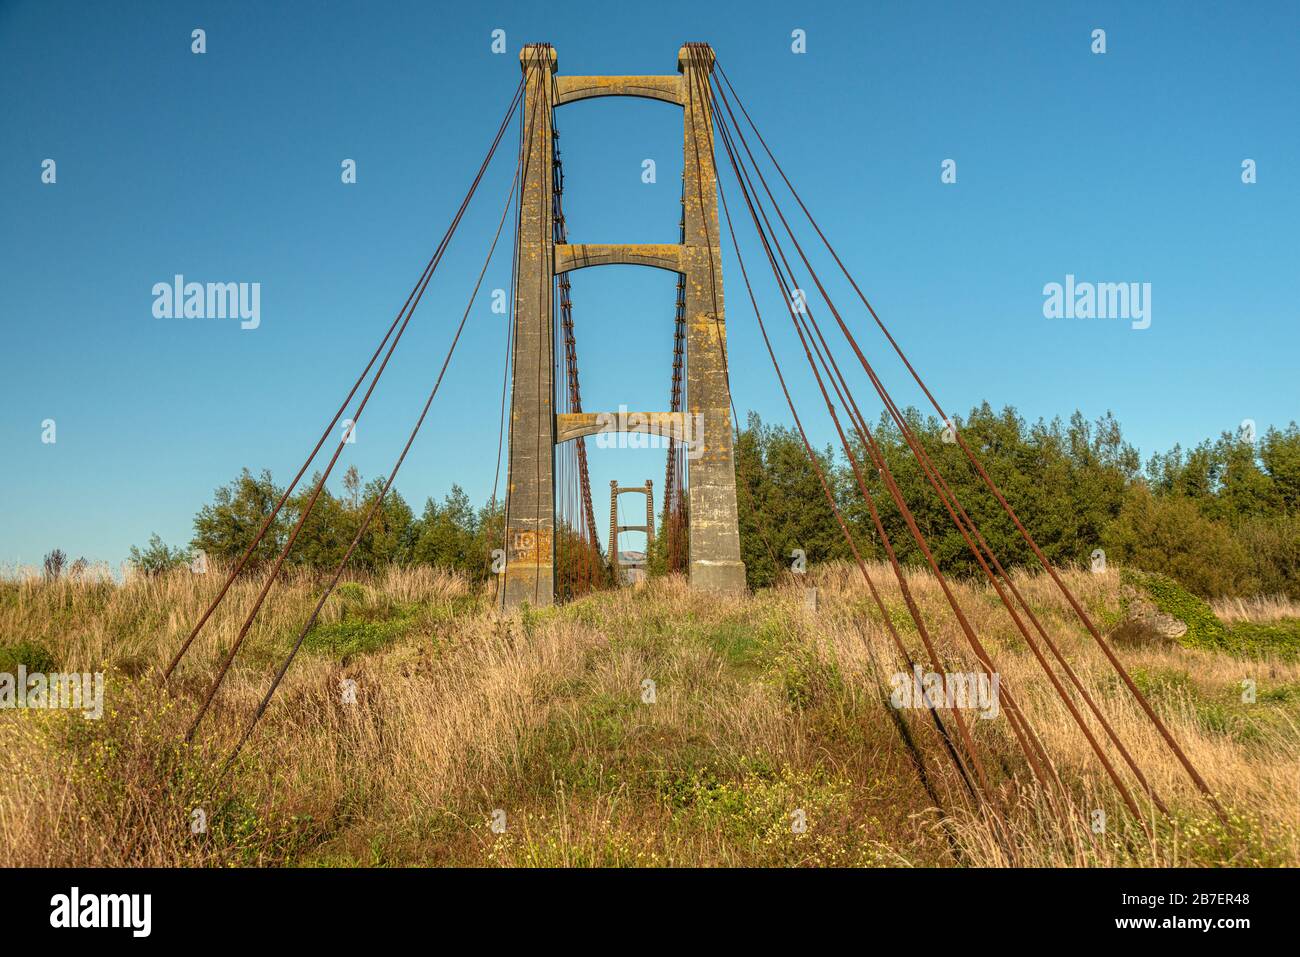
(530, 496)
(574, 425)
(715, 536)
(568, 89)
(1145, 624)
(572, 256)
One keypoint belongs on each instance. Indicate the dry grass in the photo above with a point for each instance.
(765, 714)
(1261, 608)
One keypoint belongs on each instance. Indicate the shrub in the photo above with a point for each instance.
(30, 655)
(1171, 537)
(1273, 545)
(157, 558)
(54, 563)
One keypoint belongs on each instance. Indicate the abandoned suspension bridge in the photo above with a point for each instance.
(549, 536)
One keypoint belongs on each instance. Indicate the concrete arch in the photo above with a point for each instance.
(570, 89)
(581, 255)
(575, 425)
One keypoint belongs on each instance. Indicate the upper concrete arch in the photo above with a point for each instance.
(581, 255)
(570, 89)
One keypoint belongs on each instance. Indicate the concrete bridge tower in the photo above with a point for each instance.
(705, 426)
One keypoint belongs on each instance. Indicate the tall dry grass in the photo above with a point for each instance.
(765, 715)
(1261, 608)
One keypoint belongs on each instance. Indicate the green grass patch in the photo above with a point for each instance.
(363, 629)
(1257, 640)
(30, 654)
(1161, 683)
(740, 644)
(808, 681)
(1223, 712)
(351, 592)
(1205, 841)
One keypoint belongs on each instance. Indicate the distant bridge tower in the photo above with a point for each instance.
(535, 428)
(615, 562)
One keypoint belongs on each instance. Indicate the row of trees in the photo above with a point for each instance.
(451, 534)
(1223, 518)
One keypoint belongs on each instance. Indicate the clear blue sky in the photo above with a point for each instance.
(225, 167)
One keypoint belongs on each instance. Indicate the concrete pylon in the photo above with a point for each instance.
(530, 495)
(711, 469)
(530, 499)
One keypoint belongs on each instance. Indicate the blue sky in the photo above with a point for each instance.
(1122, 167)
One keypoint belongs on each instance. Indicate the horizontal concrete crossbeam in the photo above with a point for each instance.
(569, 89)
(574, 425)
(570, 256)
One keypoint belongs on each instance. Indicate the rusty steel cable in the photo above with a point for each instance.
(388, 484)
(830, 498)
(284, 497)
(960, 518)
(1084, 618)
(1011, 707)
(270, 579)
(1030, 743)
(957, 760)
(673, 514)
(795, 314)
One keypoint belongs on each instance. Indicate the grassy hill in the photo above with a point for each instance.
(533, 740)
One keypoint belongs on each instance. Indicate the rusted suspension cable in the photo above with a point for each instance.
(1026, 743)
(808, 320)
(388, 484)
(850, 403)
(673, 508)
(909, 600)
(270, 579)
(959, 516)
(992, 486)
(954, 756)
(284, 497)
(950, 749)
(575, 458)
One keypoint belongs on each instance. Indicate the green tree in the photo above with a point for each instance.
(391, 536)
(156, 557)
(447, 535)
(1279, 452)
(781, 502)
(1172, 536)
(225, 528)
